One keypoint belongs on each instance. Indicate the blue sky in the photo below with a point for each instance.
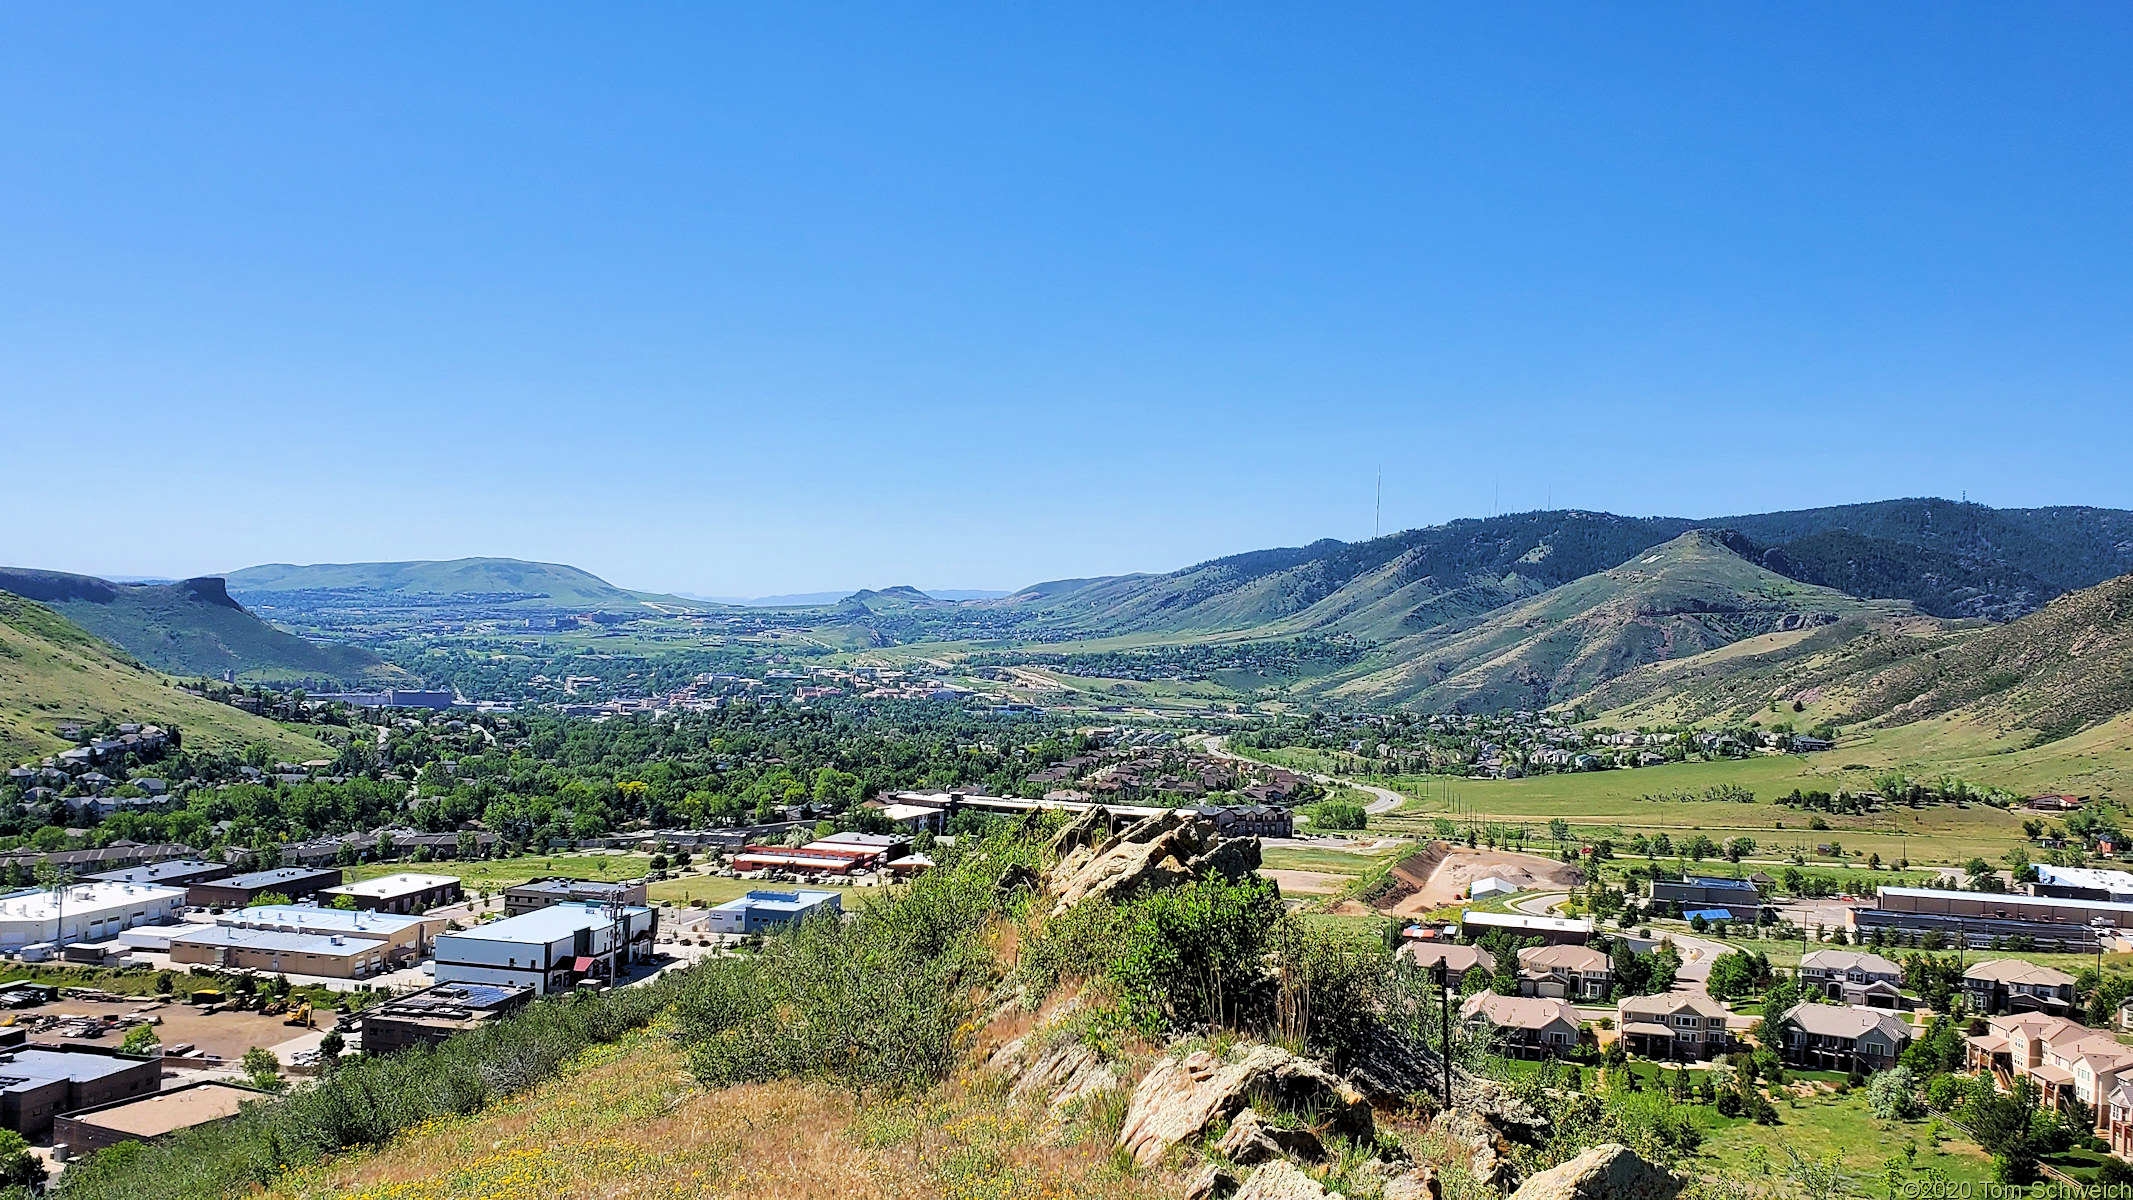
(788, 298)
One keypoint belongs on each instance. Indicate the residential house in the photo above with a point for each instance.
(1457, 959)
(1830, 1037)
(1527, 1026)
(1565, 972)
(1854, 977)
(1686, 1025)
(2115, 1117)
(2000, 985)
(2013, 1045)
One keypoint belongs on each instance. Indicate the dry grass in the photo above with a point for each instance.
(626, 1121)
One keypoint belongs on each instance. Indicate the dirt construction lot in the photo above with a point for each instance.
(1461, 867)
(228, 1034)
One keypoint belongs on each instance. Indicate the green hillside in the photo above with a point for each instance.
(194, 628)
(1693, 594)
(500, 581)
(2062, 669)
(54, 672)
(1949, 559)
(2066, 667)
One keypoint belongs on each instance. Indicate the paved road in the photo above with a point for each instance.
(1386, 799)
(1697, 954)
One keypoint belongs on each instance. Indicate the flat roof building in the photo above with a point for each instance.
(1555, 931)
(2083, 883)
(406, 892)
(238, 891)
(536, 894)
(37, 1083)
(404, 938)
(428, 1017)
(83, 912)
(758, 912)
(328, 955)
(148, 1118)
(176, 872)
(550, 949)
(1979, 918)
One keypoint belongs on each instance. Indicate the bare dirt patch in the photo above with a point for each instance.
(1307, 883)
(1436, 875)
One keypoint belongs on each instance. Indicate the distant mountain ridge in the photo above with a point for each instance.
(506, 581)
(1950, 559)
(193, 627)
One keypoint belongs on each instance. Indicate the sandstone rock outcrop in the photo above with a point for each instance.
(1278, 1180)
(1420, 1183)
(1162, 851)
(1487, 1152)
(1210, 1182)
(1610, 1171)
(1182, 1098)
(1251, 1140)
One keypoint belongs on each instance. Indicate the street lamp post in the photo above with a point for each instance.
(1439, 979)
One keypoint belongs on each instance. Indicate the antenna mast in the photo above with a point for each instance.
(1377, 512)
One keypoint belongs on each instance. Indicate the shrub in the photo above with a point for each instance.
(1893, 1094)
(1339, 815)
(875, 1003)
(1197, 953)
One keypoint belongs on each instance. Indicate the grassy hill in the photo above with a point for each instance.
(2062, 669)
(1691, 595)
(53, 672)
(193, 628)
(498, 581)
(1947, 558)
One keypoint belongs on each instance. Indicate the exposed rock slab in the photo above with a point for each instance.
(1251, 1140)
(1278, 1180)
(1610, 1171)
(1161, 851)
(1182, 1098)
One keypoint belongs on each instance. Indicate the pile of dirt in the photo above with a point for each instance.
(1439, 873)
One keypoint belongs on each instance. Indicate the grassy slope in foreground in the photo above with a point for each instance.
(52, 671)
(625, 1120)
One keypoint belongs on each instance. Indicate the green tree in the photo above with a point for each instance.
(264, 1070)
(141, 1039)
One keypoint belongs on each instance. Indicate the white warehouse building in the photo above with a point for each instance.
(550, 949)
(83, 912)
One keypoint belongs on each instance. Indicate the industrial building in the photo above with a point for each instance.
(551, 949)
(815, 858)
(428, 1017)
(536, 894)
(759, 912)
(1553, 931)
(176, 872)
(406, 892)
(404, 938)
(240, 891)
(82, 912)
(327, 955)
(2083, 883)
(1977, 919)
(149, 1118)
(1737, 897)
(37, 1083)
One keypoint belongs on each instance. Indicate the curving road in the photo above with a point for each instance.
(1385, 799)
